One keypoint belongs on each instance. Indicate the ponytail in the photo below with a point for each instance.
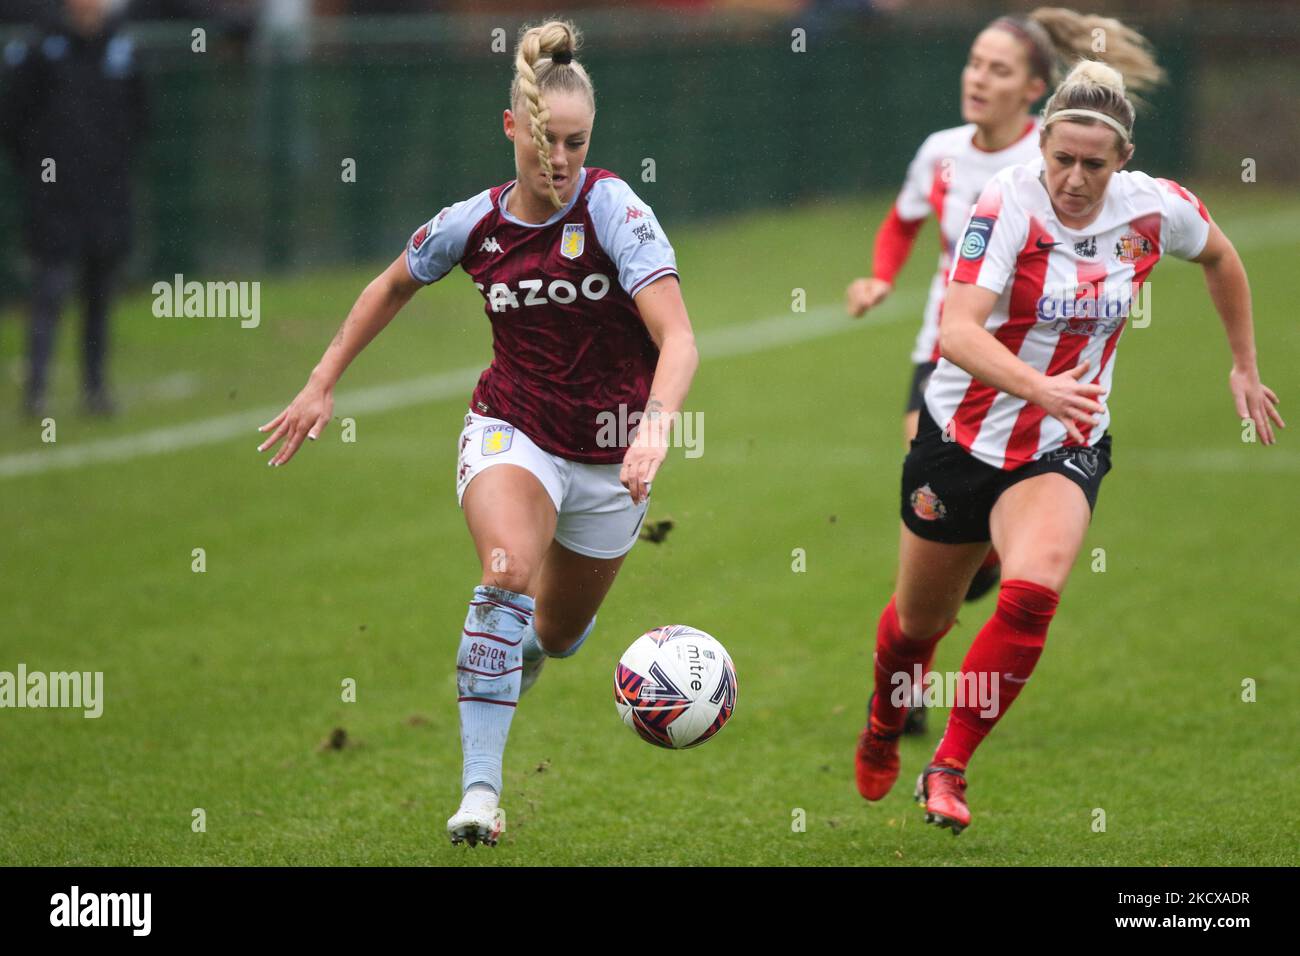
(544, 61)
(1055, 39)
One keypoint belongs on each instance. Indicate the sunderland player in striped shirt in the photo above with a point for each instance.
(1012, 442)
(1011, 65)
(588, 326)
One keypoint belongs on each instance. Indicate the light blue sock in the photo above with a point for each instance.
(487, 679)
(533, 647)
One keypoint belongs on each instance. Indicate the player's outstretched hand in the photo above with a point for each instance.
(864, 294)
(1071, 401)
(1255, 401)
(646, 453)
(306, 417)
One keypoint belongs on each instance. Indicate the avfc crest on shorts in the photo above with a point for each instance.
(573, 241)
(926, 504)
(497, 438)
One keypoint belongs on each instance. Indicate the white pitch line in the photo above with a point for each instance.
(728, 341)
(732, 340)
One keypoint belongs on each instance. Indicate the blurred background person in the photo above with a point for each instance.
(72, 116)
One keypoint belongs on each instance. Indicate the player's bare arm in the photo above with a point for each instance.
(965, 342)
(1225, 277)
(864, 294)
(664, 313)
(308, 414)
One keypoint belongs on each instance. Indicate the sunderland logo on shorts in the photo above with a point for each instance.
(573, 241)
(976, 239)
(497, 438)
(926, 504)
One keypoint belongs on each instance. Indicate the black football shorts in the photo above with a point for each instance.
(948, 493)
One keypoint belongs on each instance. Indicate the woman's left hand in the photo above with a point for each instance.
(1255, 401)
(644, 456)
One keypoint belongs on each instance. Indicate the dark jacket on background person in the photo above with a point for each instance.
(81, 102)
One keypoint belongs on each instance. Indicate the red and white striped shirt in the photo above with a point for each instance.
(944, 180)
(1064, 296)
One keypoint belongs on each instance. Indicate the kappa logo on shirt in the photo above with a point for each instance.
(633, 212)
(490, 244)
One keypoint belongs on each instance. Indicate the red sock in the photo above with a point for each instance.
(896, 653)
(1008, 646)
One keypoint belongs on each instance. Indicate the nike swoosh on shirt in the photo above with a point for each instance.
(1046, 245)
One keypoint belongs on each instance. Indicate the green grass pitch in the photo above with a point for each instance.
(354, 562)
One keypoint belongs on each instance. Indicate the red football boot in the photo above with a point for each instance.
(942, 791)
(876, 761)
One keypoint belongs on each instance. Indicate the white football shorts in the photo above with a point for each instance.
(595, 515)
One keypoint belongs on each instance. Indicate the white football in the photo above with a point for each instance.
(675, 686)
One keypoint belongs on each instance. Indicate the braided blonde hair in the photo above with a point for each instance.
(544, 62)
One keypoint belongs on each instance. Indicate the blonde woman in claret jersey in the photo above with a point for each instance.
(580, 285)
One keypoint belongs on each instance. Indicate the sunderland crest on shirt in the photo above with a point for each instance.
(573, 241)
(1132, 246)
